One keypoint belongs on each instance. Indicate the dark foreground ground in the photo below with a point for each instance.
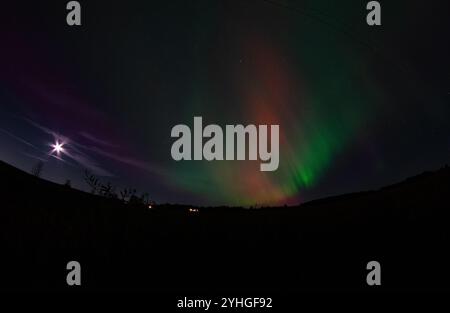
(322, 245)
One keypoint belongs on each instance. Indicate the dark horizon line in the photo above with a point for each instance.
(309, 202)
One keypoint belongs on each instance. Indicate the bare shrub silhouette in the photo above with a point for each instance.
(109, 191)
(145, 198)
(92, 181)
(127, 194)
(134, 200)
(37, 169)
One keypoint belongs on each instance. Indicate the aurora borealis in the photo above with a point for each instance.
(357, 107)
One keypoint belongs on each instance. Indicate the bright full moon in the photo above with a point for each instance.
(58, 148)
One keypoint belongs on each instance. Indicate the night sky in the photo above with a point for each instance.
(359, 107)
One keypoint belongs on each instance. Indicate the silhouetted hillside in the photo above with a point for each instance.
(323, 244)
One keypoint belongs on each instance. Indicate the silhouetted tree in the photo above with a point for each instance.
(145, 198)
(37, 169)
(68, 184)
(134, 200)
(108, 191)
(92, 181)
(127, 193)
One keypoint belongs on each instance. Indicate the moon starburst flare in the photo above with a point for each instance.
(58, 148)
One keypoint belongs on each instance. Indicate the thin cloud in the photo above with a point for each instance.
(128, 161)
(77, 151)
(97, 140)
(72, 152)
(89, 164)
(18, 138)
(35, 157)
